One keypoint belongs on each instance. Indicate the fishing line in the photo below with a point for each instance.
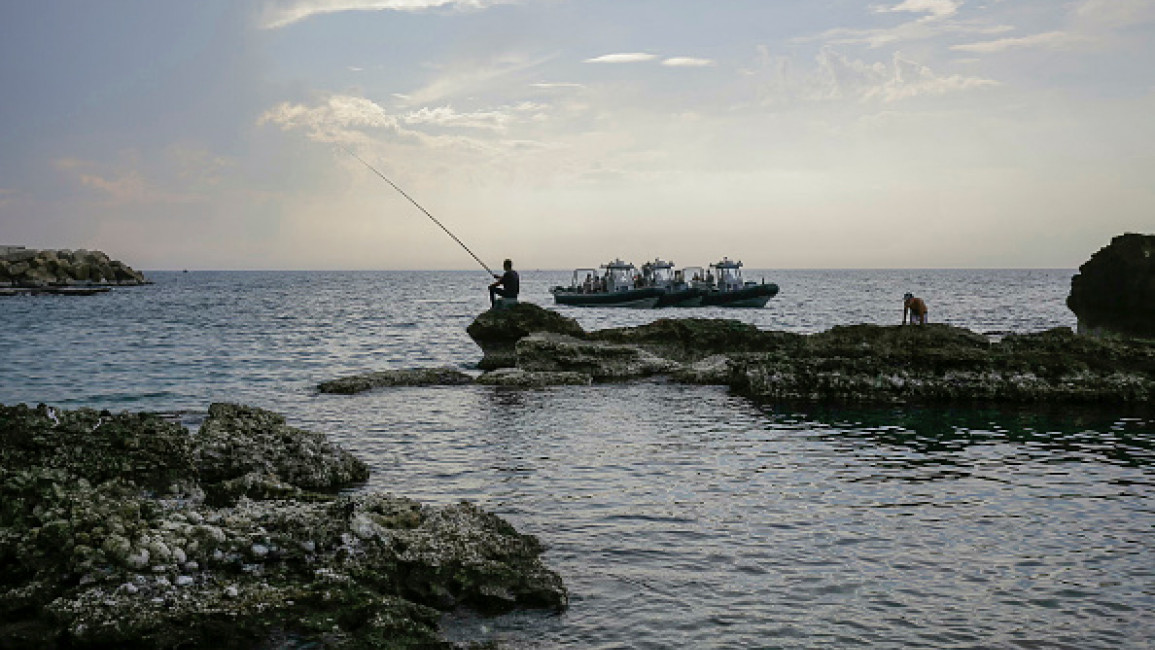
(442, 226)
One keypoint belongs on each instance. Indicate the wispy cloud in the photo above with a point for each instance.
(281, 13)
(551, 85)
(495, 120)
(687, 62)
(1114, 13)
(469, 77)
(935, 8)
(1051, 40)
(838, 77)
(625, 57)
(120, 186)
(338, 119)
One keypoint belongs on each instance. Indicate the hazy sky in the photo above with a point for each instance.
(562, 133)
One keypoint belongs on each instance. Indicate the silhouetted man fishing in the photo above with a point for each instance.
(507, 284)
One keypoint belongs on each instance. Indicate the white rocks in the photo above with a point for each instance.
(231, 591)
(138, 559)
(184, 581)
(259, 550)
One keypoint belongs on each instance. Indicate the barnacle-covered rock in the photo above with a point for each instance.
(119, 546)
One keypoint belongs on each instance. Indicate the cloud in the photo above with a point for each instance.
(1115, 13)
(337, 119)
(936, 8)
(282, 13)
(629, 57)
(920, 29)
(119, 186)
(552, 85)
(472, 77)
(1052, 40)
(495, 120)
(687, 62)
(838, 77)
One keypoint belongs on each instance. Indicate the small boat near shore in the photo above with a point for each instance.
(726, 288)
(678, 292)
(614, 287)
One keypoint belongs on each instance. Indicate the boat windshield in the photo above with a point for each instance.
(662, 275)
(730, 275)
(620, 277)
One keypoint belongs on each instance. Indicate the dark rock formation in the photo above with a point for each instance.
(944, 363)
(107, 541)
(1114, 292)
(516, 377)
(404, 377)
(498, 330)
(602, 361)
(31, 268)
(860, 362)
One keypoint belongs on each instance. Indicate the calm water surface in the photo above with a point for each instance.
(679, 516)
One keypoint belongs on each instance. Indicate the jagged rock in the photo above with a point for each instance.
(694, 339)
(44, 268)
(525, 379)
(498, 330)
(942, 363)
(240, 447)
(404, 377)
(1114, 291)
(106, 542)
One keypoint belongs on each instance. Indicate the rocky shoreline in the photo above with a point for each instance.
(24, 270)
(528, 346)
(127, 530)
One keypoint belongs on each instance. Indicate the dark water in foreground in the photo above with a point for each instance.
(678, 516)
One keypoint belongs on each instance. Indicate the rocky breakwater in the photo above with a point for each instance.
(29, 268)
(932, 363)
(1114, 291)
(127, 530)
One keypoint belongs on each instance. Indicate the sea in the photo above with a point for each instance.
(678, 516)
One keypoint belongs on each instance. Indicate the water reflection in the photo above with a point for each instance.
(1063, 433)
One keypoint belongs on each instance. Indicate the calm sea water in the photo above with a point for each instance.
(679, 516)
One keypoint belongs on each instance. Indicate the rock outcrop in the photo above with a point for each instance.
(444, 376)
(1114, 292)
(937, 363)
(20, 267)
(108, 540)
(857, 363)
(497, 331)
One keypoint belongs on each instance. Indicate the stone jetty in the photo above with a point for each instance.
(128, 530)
(44, 270)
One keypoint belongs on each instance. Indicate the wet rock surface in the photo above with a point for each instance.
(401, 377)
(32, 268)
(115, 532)
(1114, 291)
(944, 363)
(497, 331)
(516, 377)
(935, 362)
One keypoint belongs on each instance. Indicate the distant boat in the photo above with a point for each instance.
(724, 286)
(616, 286)
(678, 292)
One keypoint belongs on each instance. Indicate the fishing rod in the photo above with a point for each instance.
(442, 226)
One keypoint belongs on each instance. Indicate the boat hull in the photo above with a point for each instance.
(645, 298)
(691, 297)
(751, 296)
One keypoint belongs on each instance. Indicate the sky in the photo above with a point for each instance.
(217, 134)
